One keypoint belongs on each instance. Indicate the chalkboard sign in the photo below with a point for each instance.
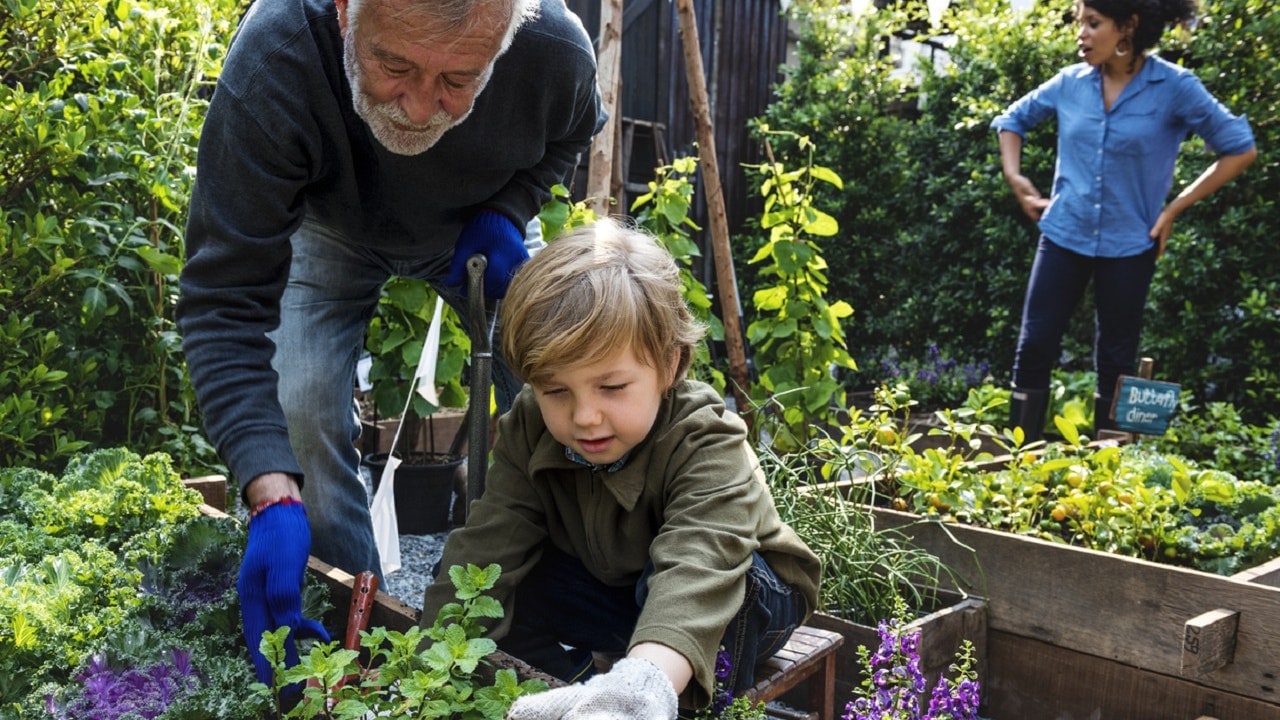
(1144, 406)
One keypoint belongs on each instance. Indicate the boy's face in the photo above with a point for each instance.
(604, 408)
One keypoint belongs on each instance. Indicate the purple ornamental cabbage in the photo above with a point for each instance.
(110, 693)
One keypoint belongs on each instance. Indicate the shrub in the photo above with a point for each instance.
(99, 109)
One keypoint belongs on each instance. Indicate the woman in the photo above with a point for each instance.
(1122, 116)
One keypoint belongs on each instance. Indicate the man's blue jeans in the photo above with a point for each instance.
(561, 604)
(331, 296)
(1058, 281)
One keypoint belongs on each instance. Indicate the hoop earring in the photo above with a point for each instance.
(1127, 44)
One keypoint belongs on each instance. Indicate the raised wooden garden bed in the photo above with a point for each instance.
(1076, 633)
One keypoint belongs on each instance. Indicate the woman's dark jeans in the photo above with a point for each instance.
(1058, 280)
(561, 604)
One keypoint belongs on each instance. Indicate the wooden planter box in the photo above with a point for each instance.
(1076, 633)
(440, 427)
(941, 634)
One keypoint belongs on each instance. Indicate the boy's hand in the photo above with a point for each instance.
(635, 689)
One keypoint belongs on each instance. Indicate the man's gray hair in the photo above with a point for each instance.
(455, 15)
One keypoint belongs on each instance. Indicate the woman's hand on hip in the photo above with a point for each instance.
(1032, 202)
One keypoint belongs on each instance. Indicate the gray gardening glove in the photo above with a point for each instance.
(634, 689)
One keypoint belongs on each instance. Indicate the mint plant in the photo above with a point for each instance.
(421, 673)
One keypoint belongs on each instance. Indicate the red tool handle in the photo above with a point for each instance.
(363, 592)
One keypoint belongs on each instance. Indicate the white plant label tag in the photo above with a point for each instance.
(426, 372)
(386, 530)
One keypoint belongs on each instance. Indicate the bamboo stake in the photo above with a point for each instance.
(726, 282)
(609, 73)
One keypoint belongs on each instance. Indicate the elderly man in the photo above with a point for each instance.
(348, 141)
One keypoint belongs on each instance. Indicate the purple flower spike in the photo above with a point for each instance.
(896, 686)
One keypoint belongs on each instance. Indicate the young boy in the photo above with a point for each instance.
(624, 504)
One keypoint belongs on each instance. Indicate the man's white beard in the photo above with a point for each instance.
(387, 120)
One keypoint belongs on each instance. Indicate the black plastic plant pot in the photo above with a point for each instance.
(426, 488)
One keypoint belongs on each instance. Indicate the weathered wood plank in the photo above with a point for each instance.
(1209, 642)
(212, 488)
(388, 612)
(1123, 609)
(806, 662)
(1033, 679)
(1267, 573)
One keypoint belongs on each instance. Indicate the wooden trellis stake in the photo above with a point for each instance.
(726, 282)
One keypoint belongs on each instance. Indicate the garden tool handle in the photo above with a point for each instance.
(481, 368)
(364, 590)
(476, 266)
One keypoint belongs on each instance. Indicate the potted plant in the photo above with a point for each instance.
(431, 478)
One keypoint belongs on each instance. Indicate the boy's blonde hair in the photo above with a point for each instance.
(591, 292)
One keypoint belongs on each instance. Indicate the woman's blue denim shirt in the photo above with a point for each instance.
(1115, 167)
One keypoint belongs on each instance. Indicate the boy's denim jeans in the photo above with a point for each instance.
(331, 295)
(561, 604)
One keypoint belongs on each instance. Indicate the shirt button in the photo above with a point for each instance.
(1097, 178)
(1096, 206)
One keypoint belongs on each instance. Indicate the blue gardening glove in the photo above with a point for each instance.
(491, 234)
(634, 688)
(270, 582)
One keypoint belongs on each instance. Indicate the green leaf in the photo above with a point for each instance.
(821, 224)
(784, 329)
(826, 175)
(159, 262)
(1069, 431)
(770, 298)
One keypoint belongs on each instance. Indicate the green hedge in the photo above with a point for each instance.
(934, 250)
(100, 105)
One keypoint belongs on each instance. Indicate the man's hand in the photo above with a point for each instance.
(270, 582)
(491, 234)
(635, 689)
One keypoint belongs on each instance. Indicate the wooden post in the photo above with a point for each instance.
(609, 72)
(1209, 641)
(212, 489)
(1145, 367)
(726, 282)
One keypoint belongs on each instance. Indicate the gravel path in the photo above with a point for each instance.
(418, 553)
